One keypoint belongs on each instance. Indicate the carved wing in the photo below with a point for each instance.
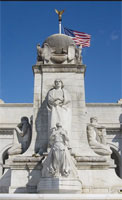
(61, 12)
(46, 52)
(39, 50)
(71, 52)
(57, 11)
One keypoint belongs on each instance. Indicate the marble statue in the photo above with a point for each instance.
(59, 161)
(97, 137)
(23, 130)
(59, 106)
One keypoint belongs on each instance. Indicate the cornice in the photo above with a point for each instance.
(6, 131)
(102, 104)
(16, 105)
(60, 68)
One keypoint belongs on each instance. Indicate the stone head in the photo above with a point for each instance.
(58, 125)
(58, 83)
(24, 120)
(93, 120)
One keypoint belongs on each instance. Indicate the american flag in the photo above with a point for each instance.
(79, 38)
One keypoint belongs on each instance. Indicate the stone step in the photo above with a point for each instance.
(60, 196)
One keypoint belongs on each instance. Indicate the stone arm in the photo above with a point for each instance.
(23, 131)
(65, 138)
(101, 133)
(19, 131)
(50, 101)
(100, 127)
(102, 136)
(66, 102)
(67, 99)
(54, 102)
(91, 136)
(51, 139)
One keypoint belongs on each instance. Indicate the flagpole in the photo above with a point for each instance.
(59, 27)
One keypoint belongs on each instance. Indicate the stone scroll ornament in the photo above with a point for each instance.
(59, 107)
(97, 138)
(24, 131)
(59, 161)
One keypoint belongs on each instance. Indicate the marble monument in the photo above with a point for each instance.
(59, 151)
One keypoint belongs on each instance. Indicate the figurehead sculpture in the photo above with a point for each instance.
(59, 106)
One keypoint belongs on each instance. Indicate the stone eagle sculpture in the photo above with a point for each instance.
(59, 14)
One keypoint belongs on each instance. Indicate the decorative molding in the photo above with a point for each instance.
(16, 105)
(115, 130)
(59, 68)
(6, 131)
(102, 104)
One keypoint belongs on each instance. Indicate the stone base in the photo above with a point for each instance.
(25, 174)
(59, 185)
(96, 177)
(61, 196)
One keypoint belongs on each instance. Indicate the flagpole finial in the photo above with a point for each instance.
(59, 18)
(59, 14)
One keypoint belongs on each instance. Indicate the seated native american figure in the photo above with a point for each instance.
(23, 130)
(97, 137)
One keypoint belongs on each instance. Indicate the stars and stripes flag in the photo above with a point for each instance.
(80, 38)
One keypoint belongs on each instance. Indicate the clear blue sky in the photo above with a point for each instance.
(25, 24)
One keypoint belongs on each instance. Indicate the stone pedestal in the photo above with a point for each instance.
(59, 185)
(98, 176)
(25, 174)
(95, 176)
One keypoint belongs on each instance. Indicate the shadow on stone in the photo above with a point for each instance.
(42, 128)
(5, 182)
